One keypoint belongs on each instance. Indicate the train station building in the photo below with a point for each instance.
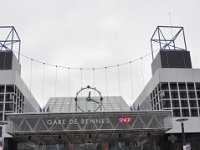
(91, 121)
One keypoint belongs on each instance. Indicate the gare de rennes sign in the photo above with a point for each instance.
(78, 121)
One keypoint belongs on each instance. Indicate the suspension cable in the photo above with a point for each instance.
(68, 82)
(131, 77)
(43, 84)
(85, 68)
(81, 77)
(106, 81)
(142, 71)
(56, 82)
(82, 83)
(119, 83)
(94, 78)
(30, 86)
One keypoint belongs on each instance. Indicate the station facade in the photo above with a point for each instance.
(107, 123)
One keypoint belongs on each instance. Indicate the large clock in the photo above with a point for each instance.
(88, 99)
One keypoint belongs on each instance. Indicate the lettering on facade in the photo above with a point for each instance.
(78, 121)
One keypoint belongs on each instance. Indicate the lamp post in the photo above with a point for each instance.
(181, 120)
(2, 123)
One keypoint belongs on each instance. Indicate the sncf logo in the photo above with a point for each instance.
(124, 119)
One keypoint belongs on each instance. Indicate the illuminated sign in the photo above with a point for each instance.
(78, 121)
(124, 119)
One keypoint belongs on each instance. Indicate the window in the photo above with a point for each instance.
(1, 97)
(9, 106)
(184, 103)
(198, 94)
(1, 116)
(165, 94)
(183, 94)
(157, 107)
(193, 103)
(156, 99)
(154, 102)
(185, 112)
(151, 96)
(9, 88)
(199, 103)
(1, 106)
(8, 97)
(182, 86)
(166, 103)
(173, 86)
(175, 103)
(164, 86)
(191, 94)
(2, 89)
(198, 86)
(174, 94)
(176, 113)
(159, 87)
(155, 90)
(190, 86)
(194, 112)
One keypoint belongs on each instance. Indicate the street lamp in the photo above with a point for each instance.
(3, 123)
(181, 120)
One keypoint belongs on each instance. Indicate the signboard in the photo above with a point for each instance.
(125, 119)
(57, 122)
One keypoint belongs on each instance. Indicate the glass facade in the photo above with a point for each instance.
(67, 104)
(183, 98)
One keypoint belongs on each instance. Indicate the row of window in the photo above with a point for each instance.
(182, 103)
(182, 94)
(10, 107)
(14, 99)
(190, 86)
(11, 89)
(180, 86)
(185, 112)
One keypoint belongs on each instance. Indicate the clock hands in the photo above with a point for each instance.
(89, 99)
(94, 101)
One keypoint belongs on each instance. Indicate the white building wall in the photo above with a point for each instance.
(173, 75)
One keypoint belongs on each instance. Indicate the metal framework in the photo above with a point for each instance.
(97, 125)
(9, 39)
(168, 38)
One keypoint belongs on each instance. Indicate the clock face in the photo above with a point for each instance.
(88, 100)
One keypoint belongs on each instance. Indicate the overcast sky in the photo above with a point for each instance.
(94, 33)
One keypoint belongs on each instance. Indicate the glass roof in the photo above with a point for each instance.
(67, 104)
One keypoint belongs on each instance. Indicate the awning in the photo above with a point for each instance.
(73, 126)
